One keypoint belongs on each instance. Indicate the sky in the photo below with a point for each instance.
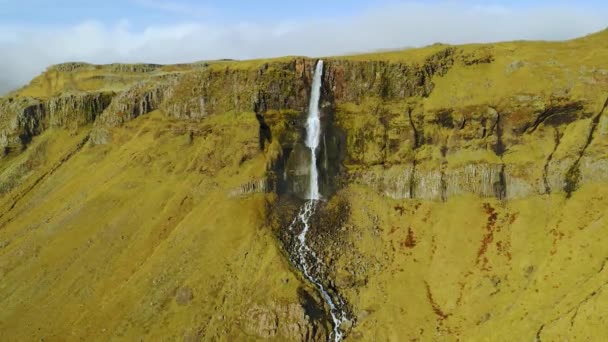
(37, 33)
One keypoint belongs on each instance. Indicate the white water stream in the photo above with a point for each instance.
(303, 252)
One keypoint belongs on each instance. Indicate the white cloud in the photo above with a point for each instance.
(28, 51)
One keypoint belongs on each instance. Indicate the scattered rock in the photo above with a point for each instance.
(346, 325)
(193, 335)
(363, 314)
(283, 321)
(183, 295)
(514, 66)
(528, 271)
(484, 318)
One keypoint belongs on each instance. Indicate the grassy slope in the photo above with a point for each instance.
(466, 275)
(103, 247)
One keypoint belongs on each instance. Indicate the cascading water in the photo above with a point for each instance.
(313, 130)
(304, 256)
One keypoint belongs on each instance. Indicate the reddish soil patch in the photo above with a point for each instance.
(436, 308)
(410, 240)
(488, 237)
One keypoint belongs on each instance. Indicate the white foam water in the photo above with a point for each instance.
(313, 130)
(303, 251)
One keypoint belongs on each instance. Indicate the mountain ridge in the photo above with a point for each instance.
(464, 194)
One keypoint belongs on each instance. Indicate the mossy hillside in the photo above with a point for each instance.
(473, 269)
(40, 156)
(165, 255)
(528, 106)
(161, 227)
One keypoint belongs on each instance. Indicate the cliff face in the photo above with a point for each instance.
(458, 179)
(24, 118)
(402, 135)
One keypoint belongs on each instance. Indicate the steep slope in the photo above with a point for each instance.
(474, 269)
(142, 239)
(464, 196)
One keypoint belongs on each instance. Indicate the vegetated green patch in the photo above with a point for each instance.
(157, 215)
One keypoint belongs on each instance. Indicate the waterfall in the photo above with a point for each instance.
(305, 258)
(313, 130)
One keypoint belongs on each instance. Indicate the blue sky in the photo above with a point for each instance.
(37, 33)
(147, 12)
